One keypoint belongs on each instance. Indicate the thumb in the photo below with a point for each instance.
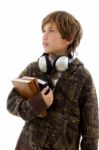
(45, 89)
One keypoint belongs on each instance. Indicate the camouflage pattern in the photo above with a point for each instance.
(73, 114)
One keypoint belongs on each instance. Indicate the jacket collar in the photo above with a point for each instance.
(73, 66)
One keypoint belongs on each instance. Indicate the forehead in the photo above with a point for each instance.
(50, 25)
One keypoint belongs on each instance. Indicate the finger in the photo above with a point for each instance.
(45, 89)
(50, 92)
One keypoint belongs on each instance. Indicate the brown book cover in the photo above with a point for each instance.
(35, 81)
(28, 87)
(25, 87)
(39, 84)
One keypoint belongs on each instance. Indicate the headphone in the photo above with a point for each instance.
(60, 64)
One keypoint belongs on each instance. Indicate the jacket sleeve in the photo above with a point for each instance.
(19, 106)
(89, 124)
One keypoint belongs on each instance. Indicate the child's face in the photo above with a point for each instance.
(52, 40)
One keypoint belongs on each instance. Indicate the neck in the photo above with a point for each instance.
(53, 56)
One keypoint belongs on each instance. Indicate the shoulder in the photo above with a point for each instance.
(80, 68)
(80, 72)
(30, 69)
(33, 65)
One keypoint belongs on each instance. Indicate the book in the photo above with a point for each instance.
(29, 86)
(39, 84)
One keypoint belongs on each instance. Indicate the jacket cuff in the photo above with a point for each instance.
(38, 104)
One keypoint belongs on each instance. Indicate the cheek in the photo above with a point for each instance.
(52, 38)
(64, 43)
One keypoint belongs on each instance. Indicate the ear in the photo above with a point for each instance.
(67, 42)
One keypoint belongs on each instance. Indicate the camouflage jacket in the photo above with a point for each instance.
(72, 119)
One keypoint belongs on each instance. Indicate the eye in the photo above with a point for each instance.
(43, 30)
(51, 30)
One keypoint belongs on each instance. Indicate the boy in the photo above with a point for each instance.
(71, 103)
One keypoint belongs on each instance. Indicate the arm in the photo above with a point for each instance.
(26, 109)
(89, 125)
(19, 106)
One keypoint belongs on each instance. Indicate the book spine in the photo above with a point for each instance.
(37, 85)
(33, 88)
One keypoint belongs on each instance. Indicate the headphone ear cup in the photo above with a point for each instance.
(45, 64)
(61, 63)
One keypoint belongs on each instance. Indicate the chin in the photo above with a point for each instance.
(48, 51)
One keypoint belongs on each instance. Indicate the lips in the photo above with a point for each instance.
(45, 44)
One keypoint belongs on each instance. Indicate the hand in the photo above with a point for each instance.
(48, 98)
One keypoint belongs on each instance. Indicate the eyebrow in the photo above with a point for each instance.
(50, 27)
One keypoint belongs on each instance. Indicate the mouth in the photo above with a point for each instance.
(45, 44)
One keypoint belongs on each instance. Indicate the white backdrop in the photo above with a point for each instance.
(20, 44)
